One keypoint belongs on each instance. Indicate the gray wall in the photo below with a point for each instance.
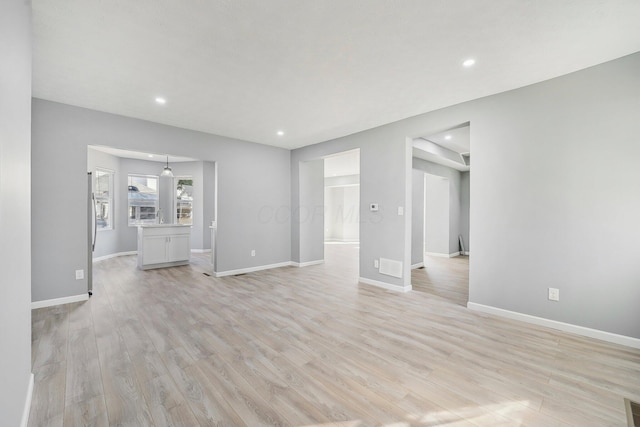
(436, 217)
(253, 179)
(15, 227)
(465, 198)
(385, 174)
(458, 205)
(553, 196)
(417, 218)
(310, 214)
(208, 202)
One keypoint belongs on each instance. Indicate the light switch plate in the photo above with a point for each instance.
(79, 274)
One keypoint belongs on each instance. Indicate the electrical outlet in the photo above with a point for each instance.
(400, 210)
(376, 263)
(79, 274)
(253, 252)
(554, 294)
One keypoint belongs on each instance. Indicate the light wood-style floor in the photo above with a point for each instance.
(310, 347)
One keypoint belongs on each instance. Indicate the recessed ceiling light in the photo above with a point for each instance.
(161, 100)
(280, 133)
(447, 137)
(469, 62)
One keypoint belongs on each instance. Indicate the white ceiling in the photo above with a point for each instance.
(455, 141)
(128, 154)
(315, 69)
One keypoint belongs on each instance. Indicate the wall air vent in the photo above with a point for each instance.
(633, 413)
(391, 267)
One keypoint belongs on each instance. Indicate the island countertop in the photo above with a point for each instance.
(163, 225)
(163, 245)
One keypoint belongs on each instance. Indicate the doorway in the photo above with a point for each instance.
(342, 210)
(127, 189)
(440, 222)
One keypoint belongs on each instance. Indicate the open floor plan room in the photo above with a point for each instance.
(319, 213)
(309, 347)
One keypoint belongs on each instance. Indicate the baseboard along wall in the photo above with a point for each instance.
(59, 301)
(27, 403)
(561, 326)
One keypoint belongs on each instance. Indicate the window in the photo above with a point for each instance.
(184, 200)
(143, 199)
(103, 185)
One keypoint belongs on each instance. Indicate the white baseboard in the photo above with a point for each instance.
(27, 403)
(117, 254)
(307, 264)
(200, 251)
(418, 265)
(251, 269)
(466, 253)
(397, 288)
(59, 301)
(437, 254)
(561, 326)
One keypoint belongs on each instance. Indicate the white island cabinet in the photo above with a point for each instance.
(163, 245)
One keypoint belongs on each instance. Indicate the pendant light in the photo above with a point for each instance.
(167, 170)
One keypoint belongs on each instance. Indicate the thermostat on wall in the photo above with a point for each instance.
(373, 207)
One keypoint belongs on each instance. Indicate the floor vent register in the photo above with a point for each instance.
(633, 413)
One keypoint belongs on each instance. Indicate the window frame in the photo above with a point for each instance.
(156, 205)
(176, 179)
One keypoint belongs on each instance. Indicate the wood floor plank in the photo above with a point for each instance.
(247, 403)
(128, 410)
(48, 401)
(311, 347)
(87, 413)
(52, 339)
(84, 380)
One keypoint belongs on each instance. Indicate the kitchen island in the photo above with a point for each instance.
(163, 245)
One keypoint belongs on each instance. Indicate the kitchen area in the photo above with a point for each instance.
(158, 207)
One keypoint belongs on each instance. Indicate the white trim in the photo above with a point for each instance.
(437, 254)
(385, 285)
(418, 265)
(561, 326)
(117, 254)
(200, 251)
(59, 301)
(27, 403)
(250, 269)
(307, 264)
(466, 253)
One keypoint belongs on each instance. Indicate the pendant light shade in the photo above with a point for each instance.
(167, 170)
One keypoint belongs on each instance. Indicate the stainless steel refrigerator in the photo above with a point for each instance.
(92, 228)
